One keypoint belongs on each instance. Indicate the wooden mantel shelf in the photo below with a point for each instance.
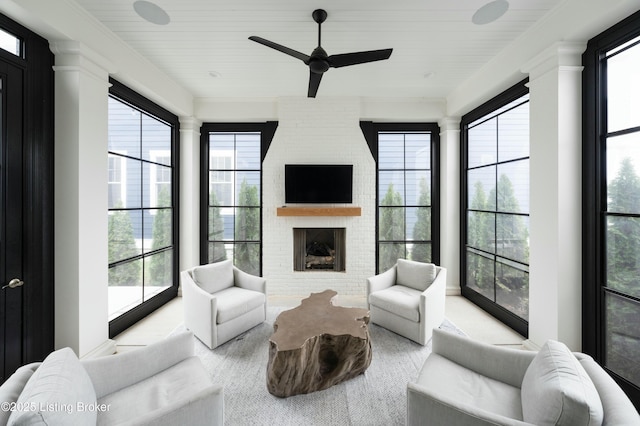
(319, 211)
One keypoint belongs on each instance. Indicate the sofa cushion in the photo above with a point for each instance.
(182, 381)
(416, 275)
(215, 276)
(556, 390)
(59, 392)
(402, 301)
(235, 301)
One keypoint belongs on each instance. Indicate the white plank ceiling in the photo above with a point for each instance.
(435, 44)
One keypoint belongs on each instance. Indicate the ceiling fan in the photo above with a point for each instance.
(319, 62)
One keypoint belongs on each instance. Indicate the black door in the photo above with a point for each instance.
(26, 200)
(11, 276)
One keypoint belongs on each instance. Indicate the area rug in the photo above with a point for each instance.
(377, 397)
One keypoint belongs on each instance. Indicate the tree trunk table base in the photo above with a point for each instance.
(316, 346)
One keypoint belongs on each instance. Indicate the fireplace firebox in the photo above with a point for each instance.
(319, 249)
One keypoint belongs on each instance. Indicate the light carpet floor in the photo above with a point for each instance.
(377, 397)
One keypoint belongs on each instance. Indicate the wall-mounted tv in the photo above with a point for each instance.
(318, 183)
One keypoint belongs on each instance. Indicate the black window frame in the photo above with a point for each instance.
(267, 130)
(594, 194)
(137, 101)
(512, 94)
(371, 130)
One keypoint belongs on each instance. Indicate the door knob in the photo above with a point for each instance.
(16, 282)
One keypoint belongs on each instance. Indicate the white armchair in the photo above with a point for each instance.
(222, 302)
(465, 382)
(408, 299)
(160, 384)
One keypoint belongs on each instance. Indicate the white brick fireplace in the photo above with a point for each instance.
(318, 131)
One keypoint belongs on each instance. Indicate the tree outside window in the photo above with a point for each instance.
(405, 184)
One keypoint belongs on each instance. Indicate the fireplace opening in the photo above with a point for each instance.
(319, 249)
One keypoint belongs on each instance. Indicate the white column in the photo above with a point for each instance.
(450, 201)
(555, 271)
(81, 243)
(189, 192)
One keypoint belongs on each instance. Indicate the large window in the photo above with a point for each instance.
(232, 193)
(142, 181)
(611, 196)
(407, 200)
(495, 260)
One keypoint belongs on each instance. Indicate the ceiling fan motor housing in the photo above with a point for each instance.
(318, 62)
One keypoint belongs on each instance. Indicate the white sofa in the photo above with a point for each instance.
(222, 301)
(465, 382)
(408, 299)
(160, 384)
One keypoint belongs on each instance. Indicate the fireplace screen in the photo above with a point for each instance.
(319, 249)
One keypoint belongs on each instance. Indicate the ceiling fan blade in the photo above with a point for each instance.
(304, 58)
(314, 83)
(342, 60)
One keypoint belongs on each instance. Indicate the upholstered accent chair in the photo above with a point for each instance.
(465, 382)
(222, 301)
(160, 384)
(408, 299)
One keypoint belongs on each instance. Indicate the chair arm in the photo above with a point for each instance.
(437, 290)
(250, 282)
(114, 372)
(618, 408)
(203, 408)
(200, 309)
(381, 281)
(432, 303)
(507, 365)
(425, 406)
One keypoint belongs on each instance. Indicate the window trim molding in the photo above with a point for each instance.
(139, 102)
(594, 159)
(511, 94)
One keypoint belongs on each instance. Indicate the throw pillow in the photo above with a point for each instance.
(556, 390)
(416, 275)
(214, 277)
(11, 389)
(59, 392)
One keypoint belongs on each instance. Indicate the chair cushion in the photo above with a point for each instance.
(159, 391)
(454, 382)
(59, 392)
(398, 299)
(556, 390)
(215, 276)
(235, 301)
(416, 275)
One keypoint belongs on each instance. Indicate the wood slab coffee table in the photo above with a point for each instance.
(316, 346)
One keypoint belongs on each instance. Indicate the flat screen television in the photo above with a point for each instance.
(318, 183)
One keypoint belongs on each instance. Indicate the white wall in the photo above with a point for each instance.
(320, 131)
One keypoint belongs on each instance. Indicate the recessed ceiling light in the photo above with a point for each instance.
(490, 12)
(151, 12)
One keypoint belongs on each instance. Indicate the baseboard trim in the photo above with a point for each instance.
(453, 291)
(530, 346)
(108, 347)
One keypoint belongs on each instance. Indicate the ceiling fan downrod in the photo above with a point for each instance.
(319, 15)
